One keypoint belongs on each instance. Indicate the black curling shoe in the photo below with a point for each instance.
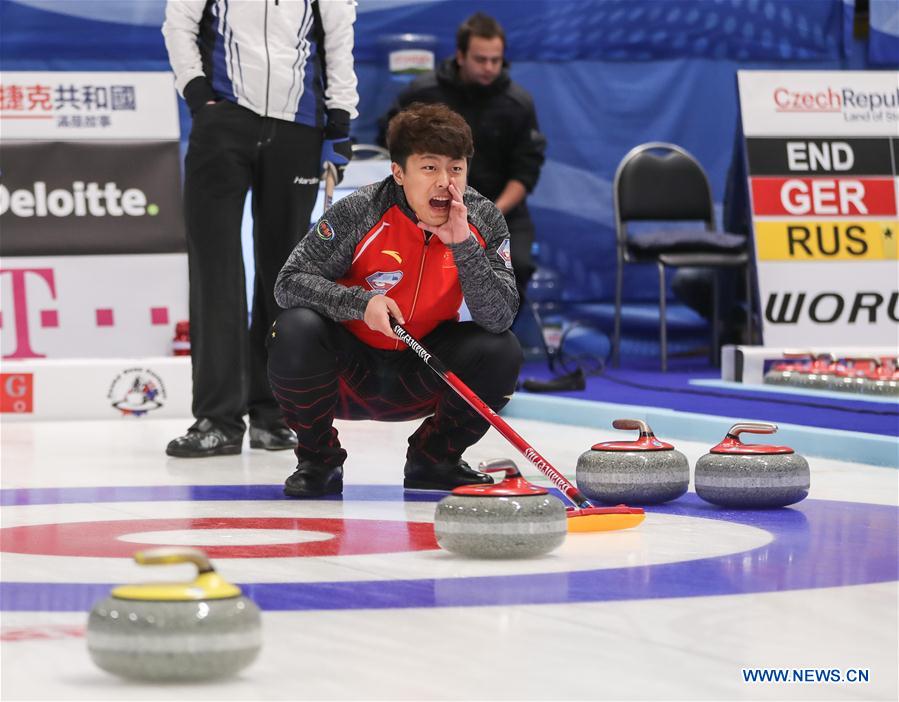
(314, 480)
(276, 438)
(205, 439)
(442, 476)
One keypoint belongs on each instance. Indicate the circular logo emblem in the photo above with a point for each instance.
(136, 391)
(324, 230)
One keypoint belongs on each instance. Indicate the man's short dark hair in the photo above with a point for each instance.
(478, 25)
(428, 129)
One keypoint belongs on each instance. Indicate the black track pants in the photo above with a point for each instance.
(318, 371)
(231, 150)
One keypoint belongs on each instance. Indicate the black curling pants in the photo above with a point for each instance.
(231, 150)
(318, 371)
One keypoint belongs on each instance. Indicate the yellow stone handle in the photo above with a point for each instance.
(170, 555)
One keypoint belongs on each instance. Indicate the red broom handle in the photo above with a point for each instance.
(497, 422)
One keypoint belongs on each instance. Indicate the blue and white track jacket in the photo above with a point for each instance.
(288, 59)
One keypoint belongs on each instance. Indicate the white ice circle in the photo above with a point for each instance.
(662, 538)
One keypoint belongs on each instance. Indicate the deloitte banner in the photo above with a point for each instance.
(90, 209)
(90, 198)
(822, 150)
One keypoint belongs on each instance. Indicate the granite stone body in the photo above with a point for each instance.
(786, 373)
(795, 378)
(819, 380)
(883, 386)
(500, 527)
(633, 477)
(819, 374)
(777, 377)
(162, 641)
(752, 480)
(847, 383)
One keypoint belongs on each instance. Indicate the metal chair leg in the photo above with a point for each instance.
(538, 319)
(616, 335)
(749, 300)
(713, 347)
(663, 326)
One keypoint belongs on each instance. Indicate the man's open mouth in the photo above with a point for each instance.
(440, 203)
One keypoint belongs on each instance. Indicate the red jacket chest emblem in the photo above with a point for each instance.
(398, 259)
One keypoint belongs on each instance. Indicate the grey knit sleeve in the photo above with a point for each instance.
(324, 255)
(488, 283)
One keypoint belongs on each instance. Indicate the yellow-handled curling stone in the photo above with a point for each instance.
(195, 630)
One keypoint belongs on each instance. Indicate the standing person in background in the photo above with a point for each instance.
(272, 90)
(508, 146)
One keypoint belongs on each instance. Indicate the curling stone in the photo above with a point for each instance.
(853, 379)
(646, 471)
(175, 631)
(790, 370)
(884, 379)
(818, 373)
(787, 372)
(509, 519)
(830, 372)
(778, 373)
(734, 474)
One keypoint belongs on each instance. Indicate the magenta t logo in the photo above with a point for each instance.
(20, 307)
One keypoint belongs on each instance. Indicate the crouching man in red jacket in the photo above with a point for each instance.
(413, 247)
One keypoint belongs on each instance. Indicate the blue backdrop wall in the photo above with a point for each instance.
(605, 74)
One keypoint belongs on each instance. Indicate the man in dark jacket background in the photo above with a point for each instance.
(509, 148)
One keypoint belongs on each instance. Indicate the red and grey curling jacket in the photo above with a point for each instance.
(369, 243)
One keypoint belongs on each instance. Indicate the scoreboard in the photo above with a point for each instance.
(822, 150)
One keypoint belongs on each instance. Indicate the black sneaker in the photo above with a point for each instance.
(205, 439)
(314, 480)
(442, 476)
(561, 383)
(275, 438)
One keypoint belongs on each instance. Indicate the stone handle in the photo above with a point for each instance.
(170, 555)
(637, 424)
(752, 428)
(495, 465)
(864, 363)
(794, 353)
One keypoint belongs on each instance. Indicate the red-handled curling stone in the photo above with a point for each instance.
(855, 375)
(509, 519)
(884, 379)
(788, 371)
(645, 471)
(734, 474)
(824, 370)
